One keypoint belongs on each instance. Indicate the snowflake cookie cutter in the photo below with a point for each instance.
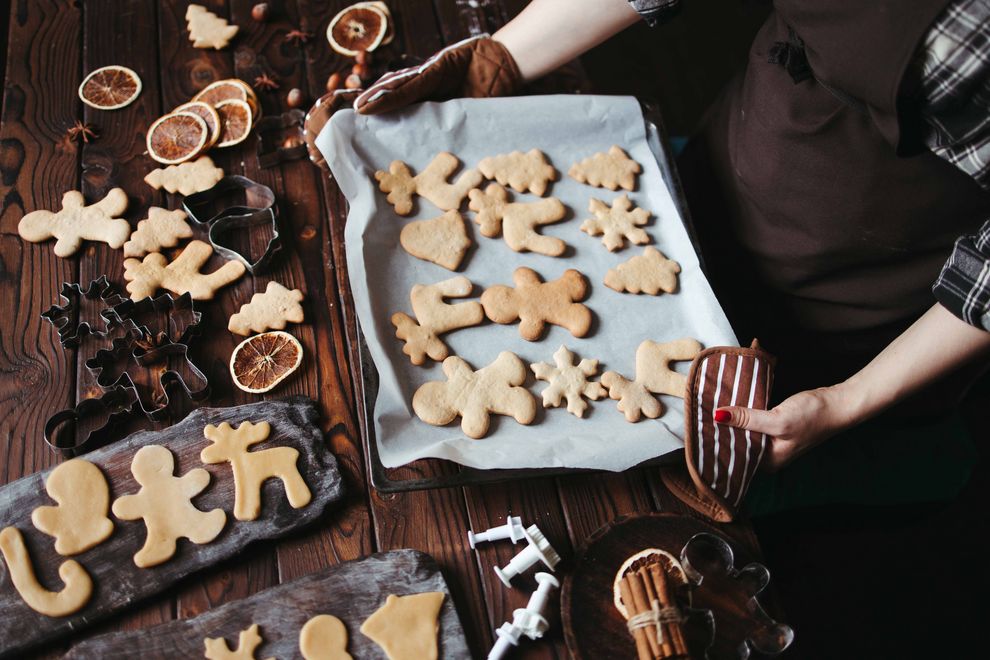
(177, 320)
(257, 209)
(64, 318)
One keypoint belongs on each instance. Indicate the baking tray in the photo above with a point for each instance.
(453, 474)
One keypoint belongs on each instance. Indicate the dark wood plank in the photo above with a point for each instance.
(118, 582)
(351, 591)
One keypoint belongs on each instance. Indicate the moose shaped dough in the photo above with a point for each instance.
(610, 170)
(435, 317)
(535, 303)
(78, 585)
(649, 273)
(165, 503)
(399, 184)
(653, 376)
(523, 172)
(80, 521)
(252, 469)
(568, 381)
(621, 221)
(324, 637)
(476, 395)
(183, 275)
(247, 641)
(77, 222)
(516, 221)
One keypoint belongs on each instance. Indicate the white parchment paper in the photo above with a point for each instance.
(566, 129)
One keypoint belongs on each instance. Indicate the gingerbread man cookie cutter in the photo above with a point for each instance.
(257, 210)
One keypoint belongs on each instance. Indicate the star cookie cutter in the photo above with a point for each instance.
(164, 367)
(64, 318)
(116, 405)
(280, 138)
(258, 209)
(176, 320)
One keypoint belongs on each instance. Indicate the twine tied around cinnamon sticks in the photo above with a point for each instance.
(654, 618)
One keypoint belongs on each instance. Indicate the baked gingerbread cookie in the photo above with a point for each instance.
(400, 185)
(443, 241)
(517, 222)
(649, 273)
(568, 381)
(617, 223)
(160, 230)
(435, 317)
(475, 396)
(654, 375)
(535, 303)
(145, 277)
(270, 310)
(186, 178)
(523, 172)
(76, 222)
(610, 170)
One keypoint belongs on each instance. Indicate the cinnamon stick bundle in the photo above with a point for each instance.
(646, 593)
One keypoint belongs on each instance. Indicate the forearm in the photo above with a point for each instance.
(934, 346)
(549, 33)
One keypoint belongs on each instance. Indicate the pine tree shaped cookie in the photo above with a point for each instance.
(207, 30)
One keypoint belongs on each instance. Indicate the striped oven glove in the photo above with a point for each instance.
(721, 460)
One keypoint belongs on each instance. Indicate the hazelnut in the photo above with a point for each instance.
(261, 11)
(295, 98)
(359, 70)
(333, 82)
(362, 58)
(353, 82)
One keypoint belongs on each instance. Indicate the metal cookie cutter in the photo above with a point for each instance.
(116, 405)
(160, 320)
(65, 319)
(258, 208)
(280, 138)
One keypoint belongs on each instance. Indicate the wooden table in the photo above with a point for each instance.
(52, 43)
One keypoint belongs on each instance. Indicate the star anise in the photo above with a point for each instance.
(80, 132)
(265, 81)
(298, 37)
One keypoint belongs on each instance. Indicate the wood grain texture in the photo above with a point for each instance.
(118, 582)
(352, 591)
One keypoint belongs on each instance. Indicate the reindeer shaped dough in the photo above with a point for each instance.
(431, 183)
(653, 376)
(534, 303)
(435, 317)
(516, 221)
(183, 275)
(247, 641)
(251, 469)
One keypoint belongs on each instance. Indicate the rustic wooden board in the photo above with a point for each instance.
(118, 583)
(351, 591)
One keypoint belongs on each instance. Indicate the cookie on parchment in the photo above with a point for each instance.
(400, 185)
(517, 222)
(616, 223)
(443, 241)
(523, 172)
(610, 170)
(535, 303)
(650, 273)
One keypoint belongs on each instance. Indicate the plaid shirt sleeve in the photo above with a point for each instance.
(955, 98)
(656, 11)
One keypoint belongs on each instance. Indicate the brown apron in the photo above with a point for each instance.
(823, 219)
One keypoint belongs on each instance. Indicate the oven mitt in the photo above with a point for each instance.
(473, 68)
(720, 460)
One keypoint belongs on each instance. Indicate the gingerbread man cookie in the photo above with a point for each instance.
(80, 521)
(568, 381)
(610, 170)
(73, 596)
(535, 303)
(186, 178)
(162, 229)
(443, 241)
(77, 222)
(649, 273)
(476, 395)
(517, 222)
(270, 310)
(523, 172)
(164, 502)
(434, 317)
(247, 641)
(399, 184)
(617, 223)
(654, 375)
(183, 275)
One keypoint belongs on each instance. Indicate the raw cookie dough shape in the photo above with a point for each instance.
(443, 240)
(650, 273)
(535, 303)
(517, 222)
(434, 317)
(165, 503)
(523, 172)
(161, 229)
(406, 627)
(653, 376)
(186, 178)
(270, 310)
(80, 521)
(77, 222)
(207, 30)
(568, 381)
(324, 637)
(610, 170)
(78, 585)
(399, 184)
(476, 395)
(145, 277)
(247, 641)
(252, 469)
(619, 222)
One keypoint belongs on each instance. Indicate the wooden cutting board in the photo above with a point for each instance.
(117, 581)
(351, 591)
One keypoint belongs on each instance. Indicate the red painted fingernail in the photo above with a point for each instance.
(723, 416)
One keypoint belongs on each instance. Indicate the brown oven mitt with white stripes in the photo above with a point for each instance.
(474, 68)
(720, 460)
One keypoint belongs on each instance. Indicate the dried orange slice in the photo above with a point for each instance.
(177, 137)
(235, 122)
(390, 27)
(671, 566)
(261, 362)
(231, 88)
(207, 113)
(356, 28)
(110, 87)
